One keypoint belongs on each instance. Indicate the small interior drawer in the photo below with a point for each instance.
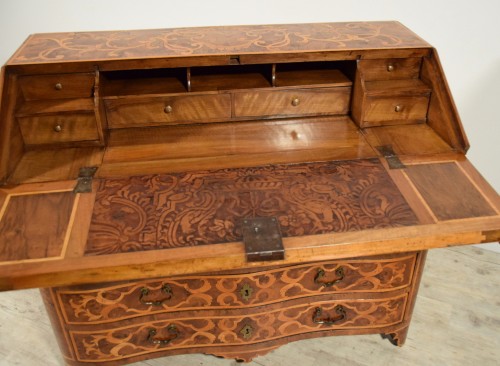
(390, 69)
(381, 111)
(150, 111)
(57, 128)
(292, 102)
(57, 86)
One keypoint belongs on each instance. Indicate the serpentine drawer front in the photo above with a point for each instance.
(228, 190)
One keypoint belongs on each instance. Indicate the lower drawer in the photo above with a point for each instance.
(292, 102)
(395, 110)
(206, 330)
(58, 128)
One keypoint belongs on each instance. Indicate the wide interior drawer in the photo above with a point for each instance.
(292, 102)
(150, 111)
(135, 299)
(395, 110)
(57, 128)
(57, 86)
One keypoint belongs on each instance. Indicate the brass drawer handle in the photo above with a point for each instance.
(339, 309)
(58, 86)
(172, 329)
(58, 128)
(390, 67)
(295, 102)
(398, 108)
(168, 109)
(145, 292)
(339, 272)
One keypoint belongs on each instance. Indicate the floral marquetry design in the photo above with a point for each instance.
(207, 207)
(109, 45)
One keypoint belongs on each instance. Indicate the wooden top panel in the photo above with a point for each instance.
(214, 41)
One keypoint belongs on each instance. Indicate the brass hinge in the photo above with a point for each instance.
(391, 157)
(84, 179)
(262, 239)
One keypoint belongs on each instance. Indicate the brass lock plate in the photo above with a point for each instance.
(262, 239)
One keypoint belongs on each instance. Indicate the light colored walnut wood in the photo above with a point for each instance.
(290, 103)
(149, 111)
(390, 69)
(396, 110)
(57, 86)
(443, 116)
(51, 106)
(50, 165)
(58, 128)
(449, 193)
(243, 138)
(311, 78)
(416, 139)
(399, 87)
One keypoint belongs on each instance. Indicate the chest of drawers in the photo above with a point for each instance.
(228, 190)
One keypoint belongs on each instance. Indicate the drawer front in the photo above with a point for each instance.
(234, 291)
(292, 102)
(131, 112)
(395, 110)
(390, 69)
(49, 129)
(231, 328)
(57, 86)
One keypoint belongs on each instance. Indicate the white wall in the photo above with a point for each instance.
(466, 34)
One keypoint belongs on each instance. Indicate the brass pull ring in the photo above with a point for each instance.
(339, 309)
(145, 292)
(339, 272)
(172, 329)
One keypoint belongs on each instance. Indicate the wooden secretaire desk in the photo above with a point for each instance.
(227, 190)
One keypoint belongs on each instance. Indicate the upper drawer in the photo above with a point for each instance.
(292, 102)
(390, 69)
(134, 299)
(150, 111)
(58, 128)
(57, 86)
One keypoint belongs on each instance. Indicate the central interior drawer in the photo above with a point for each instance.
(150, 111)
(292, 102)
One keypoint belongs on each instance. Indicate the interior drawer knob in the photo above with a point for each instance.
(390, 67)
(295, 102)
(58, 86)
(398, 108)
(58, 128)
(168, 109)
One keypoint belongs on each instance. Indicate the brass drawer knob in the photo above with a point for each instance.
(168, 109)
(58, 128)
(390, 67)
(398, 108)
(295, 102)
(58, 86)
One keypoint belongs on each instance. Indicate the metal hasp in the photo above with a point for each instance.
(84, 179)
(391, 157)
(262, 239)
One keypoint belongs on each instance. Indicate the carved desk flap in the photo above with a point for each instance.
(167, 224)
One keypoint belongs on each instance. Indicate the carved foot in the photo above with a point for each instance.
(398, 337)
